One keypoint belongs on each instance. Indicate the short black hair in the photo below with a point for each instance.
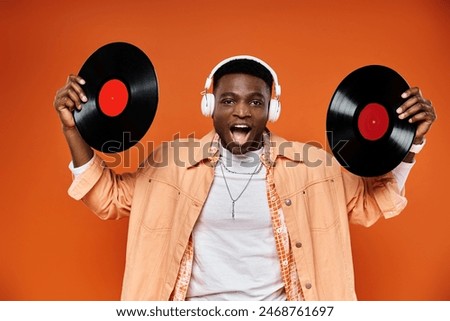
(244, 66)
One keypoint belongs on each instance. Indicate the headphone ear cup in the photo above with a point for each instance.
(274, 110)
(208, 105)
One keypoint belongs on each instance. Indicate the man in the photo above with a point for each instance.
(240, 214)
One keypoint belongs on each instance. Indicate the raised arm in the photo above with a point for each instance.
(67, 99)
(421, 112)
(370, 198)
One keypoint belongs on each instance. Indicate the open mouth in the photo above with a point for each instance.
(240, 133)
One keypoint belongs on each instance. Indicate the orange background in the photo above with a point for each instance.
(53, 248)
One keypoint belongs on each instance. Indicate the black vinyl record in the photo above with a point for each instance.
(363, 129)
(122, 92)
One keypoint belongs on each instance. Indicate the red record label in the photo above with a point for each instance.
(113, 97)
(373, 121)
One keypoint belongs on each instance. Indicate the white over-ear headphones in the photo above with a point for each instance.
(208, 100)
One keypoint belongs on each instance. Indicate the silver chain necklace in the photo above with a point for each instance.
(243, 173)
(234, 200)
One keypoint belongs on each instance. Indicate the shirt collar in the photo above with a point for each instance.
(274, 147)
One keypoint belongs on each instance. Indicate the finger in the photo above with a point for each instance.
(413, 91)
(74, 97)
(423, 117)
(414, 109)
(407, 104)
(62, 101)
(75, 82)
(68, 104)
(57, 100)
(418, 117)
(66, 99)
(79, 91)
(408, 107)
(76, 78)
(417, 106)
(412, 96)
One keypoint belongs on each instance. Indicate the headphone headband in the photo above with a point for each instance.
(277, 87)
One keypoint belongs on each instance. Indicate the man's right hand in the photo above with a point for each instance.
(68, 98)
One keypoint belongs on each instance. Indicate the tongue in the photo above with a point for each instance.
(239, 136)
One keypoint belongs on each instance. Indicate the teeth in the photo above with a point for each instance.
(240, 133)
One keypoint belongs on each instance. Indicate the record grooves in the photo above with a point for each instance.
(363, 129)
(122, 91)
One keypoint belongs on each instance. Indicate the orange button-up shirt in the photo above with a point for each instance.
(165, 196)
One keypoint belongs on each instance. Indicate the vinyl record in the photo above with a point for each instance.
(122, 92)
(363, 129)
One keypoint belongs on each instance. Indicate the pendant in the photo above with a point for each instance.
(232, 209)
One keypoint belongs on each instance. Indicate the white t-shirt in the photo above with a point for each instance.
(236, 258)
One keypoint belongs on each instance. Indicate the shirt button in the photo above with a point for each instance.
(288, 202)
(308, 285)
(298, 244)
(285, 263)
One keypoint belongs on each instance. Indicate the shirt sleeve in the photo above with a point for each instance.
(81, 169)
(401, 173)
(107, 194)
(369, 198)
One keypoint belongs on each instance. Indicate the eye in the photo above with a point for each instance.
(256, 103)
(227, 101)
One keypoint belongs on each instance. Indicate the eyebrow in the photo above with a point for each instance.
(233, 94)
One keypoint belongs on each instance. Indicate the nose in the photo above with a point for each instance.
(241, 110)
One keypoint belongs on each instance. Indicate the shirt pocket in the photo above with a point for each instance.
(321, 204)
(160, 204)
